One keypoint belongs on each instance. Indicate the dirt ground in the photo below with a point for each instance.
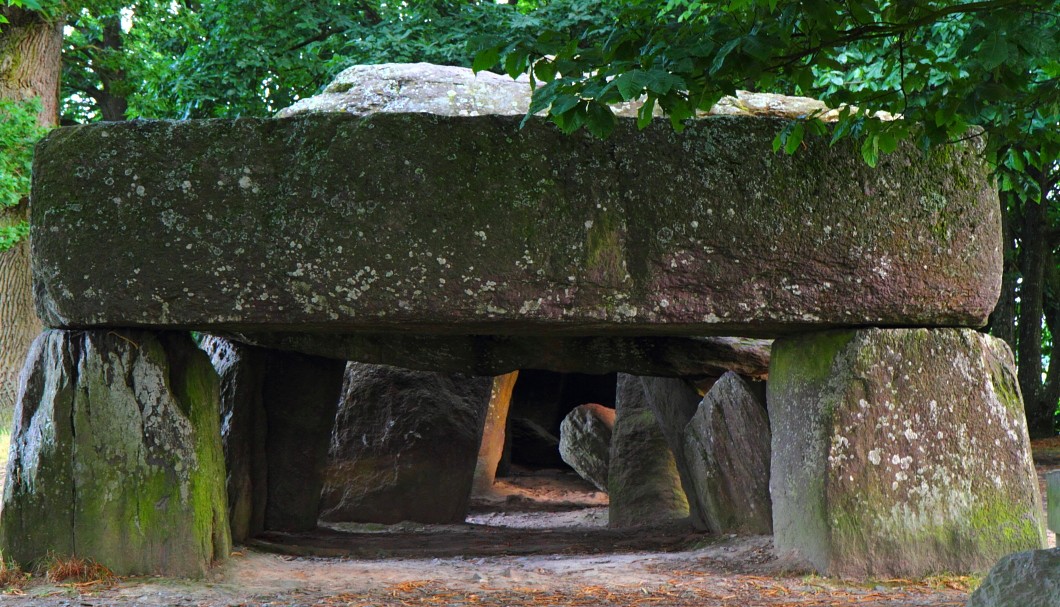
(539, 539)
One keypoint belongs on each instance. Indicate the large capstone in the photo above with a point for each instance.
(643, 486)
(726, 450)
(404, 446)
(1025, 579)
(900, 452)
(266, 225)
(116, 455)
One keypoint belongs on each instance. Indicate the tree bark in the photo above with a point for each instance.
(1003, 319)
(111, 98)
(1051, 391)
(30, 67)
(1032, 291)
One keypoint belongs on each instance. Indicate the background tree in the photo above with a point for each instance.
(30, 52)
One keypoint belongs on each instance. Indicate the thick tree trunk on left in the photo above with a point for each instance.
(30, 67)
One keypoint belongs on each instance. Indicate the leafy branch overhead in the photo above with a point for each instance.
(944, 65)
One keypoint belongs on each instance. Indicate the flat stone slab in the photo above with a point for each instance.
(471, 225)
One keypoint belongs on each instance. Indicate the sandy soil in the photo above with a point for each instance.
(536, 540)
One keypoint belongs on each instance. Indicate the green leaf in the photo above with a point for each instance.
(723, 52)
(600, 120)
(794, 138)
(486, 59)
(887, 142)
(870, 150)
(544, 70)
(994, 51)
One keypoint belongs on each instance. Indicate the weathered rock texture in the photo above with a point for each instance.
(458, 91)
(585, 441)
(727, 452)
(300, 395)
(116, 455)
(1025, 579)
(900, 452)
(491, 450)
(405, 446)
(260, 224)
(498, 354)
(243, 431)
(643, 486)
(417, 87)
(674, 402)
(1052, 487)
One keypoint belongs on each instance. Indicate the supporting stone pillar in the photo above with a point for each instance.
(643, 483)
(300, 394)
(899, 452)
(116, 455)
(243, 429)
(493, 433)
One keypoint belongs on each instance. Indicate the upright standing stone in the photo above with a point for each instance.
(727, 453)
(900, 452)
(243, 430)
(405, 446)
(674, 402)
(585, 441)
(116, 455)
(491, 451)
(643, 483)
(300, 395)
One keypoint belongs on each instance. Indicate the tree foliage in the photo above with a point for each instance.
(947, 67)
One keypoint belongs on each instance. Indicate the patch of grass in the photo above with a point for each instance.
(76, 570)
(12, 578)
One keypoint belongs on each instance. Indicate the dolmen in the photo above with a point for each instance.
(465, 241)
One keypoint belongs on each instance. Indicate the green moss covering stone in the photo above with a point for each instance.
(116, 455)
(417, 223)
(900, 452)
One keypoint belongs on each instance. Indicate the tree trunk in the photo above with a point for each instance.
(111, 98)
(30, 67)
(1003, 319)
(1051, 391)
(1032, 291)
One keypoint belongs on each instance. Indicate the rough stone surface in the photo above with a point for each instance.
(116, 455)
(243, 431)
(1053, 499)
(458, 91)
(1025, 579)
(900, 452)
(405, 446)
(301, 395)
(727, 451)
(585, 441)
(499, 354)
(643, 483)
(260, 224)
(417, 87)
(674, 402)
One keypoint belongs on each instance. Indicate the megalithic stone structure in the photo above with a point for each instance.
(464, 243)
(900, 452)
